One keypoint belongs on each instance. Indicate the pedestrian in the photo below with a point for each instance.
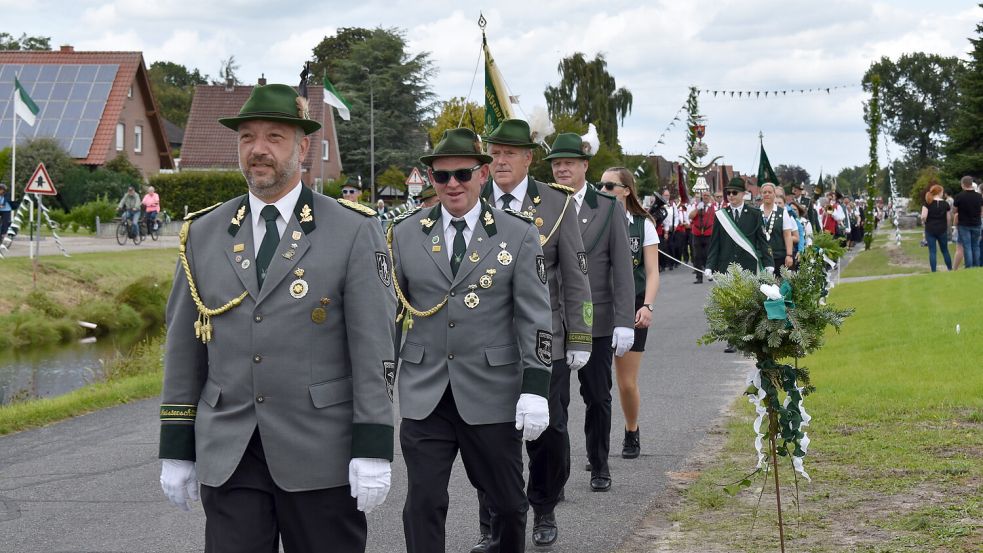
(551, 207)
(428, 197)
(777, 227)
(151, 206)
(5, 211)
(738, 237)
(351, 190)
(936, 218)
(129, 207)
(475, 364)
(968, 205)
(643, 240)
(279, 401)
(609, 269)
(701, 222)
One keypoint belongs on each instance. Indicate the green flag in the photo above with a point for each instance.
(497, 105)
(24, 106)
(334, 99)
(765, 172)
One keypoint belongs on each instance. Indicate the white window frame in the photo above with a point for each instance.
(325, 150)
(120, 137)
(138, 138)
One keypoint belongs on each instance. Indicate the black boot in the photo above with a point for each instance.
(632, 446)
(544, 530)
(482, 545)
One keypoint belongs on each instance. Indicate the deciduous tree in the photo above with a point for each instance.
(589, 93)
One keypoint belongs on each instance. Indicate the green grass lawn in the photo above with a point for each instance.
(897, 434)
(885, 258)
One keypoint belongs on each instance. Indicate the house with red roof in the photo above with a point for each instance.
(96, 104)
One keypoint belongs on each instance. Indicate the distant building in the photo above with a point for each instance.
(175, 135)
(96, 104)
(210, 146)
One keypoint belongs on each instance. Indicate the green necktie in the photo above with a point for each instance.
(507, 201)
(459, 246)
(270, 240)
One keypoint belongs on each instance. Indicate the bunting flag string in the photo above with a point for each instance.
(775, 93)
(640, 170)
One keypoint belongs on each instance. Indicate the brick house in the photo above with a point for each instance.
(210, 146)
(96, 104)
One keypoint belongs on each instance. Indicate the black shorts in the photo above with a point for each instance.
(641, 334)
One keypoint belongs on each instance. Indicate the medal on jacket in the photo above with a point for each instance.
(504, 257)
(471, 299)
(319, 314)
(486, 279)
(298, 288)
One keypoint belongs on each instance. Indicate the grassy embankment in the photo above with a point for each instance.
(886, 258)
(896, 457)
(118, 290)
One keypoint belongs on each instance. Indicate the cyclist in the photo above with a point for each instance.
(129, 207)
(151, 204)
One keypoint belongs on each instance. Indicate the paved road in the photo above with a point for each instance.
(91, 484)
(21, 247)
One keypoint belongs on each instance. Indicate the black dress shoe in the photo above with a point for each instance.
(632, 446)
(482, 545)
(699, 280)
(600, 483)
(544, 530)
(730, 349)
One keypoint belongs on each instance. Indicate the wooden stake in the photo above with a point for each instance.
(773, 431)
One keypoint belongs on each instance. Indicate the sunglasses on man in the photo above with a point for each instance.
(349, 191)
(612, 185)
(461, 175)
(734, 192)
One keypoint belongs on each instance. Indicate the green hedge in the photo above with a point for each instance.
(84, 216)
(197, 189)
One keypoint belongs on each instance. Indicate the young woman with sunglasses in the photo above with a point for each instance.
(644, 241)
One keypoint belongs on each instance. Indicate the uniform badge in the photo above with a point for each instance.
(544, 347)
(485, 281)
(389, 372)
(245, 264)
(318, 315)
(635, 262)
(382, 267)
(471, 299)
(435, 239)
(504, 257)
(426, 222)
(634, 242)
(435, 248)
(238, 258)
(582, 261)
(298, 288)
(473, 258)
(536, 200)
(238, 248)
(488, 219)
(542, 240)
(588, 311)
(539, 222)
(296, 235)
(541, 268)
(239, 215)
(305, 216)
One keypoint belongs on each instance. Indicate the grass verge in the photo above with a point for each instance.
(897, 437)
(886, 258)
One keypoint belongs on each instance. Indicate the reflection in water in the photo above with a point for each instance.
(54, 370)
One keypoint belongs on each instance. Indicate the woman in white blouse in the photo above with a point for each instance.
(644, 241)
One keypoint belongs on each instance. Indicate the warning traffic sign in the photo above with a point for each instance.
(414, 182)
(40, 182)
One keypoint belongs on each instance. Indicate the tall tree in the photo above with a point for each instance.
(791, 174)
(333, 49)
(964, 148)
(918, 100)
(174, 88)
(8, 42)
(457, 113)
(588, 92)
(398, 83)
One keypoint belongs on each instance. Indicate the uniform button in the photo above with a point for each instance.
(450, 356)
(259, 399)
(258, 318)
(452, 294)
(257, 358)
(451, 324)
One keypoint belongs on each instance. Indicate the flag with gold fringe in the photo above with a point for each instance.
(497, 105)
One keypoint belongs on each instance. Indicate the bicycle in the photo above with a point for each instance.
(152, 225)
(123, 232)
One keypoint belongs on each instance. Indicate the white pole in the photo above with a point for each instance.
(13, 156)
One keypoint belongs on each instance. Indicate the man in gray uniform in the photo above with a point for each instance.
(278, 353)
(612, 288)
(476, 358)
(554, 214)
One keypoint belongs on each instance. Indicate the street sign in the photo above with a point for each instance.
(414, 183)
(40, 182)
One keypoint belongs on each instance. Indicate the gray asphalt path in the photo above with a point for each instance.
(91, 484)
(21, 247)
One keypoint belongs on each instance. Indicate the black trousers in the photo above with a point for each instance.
(492, 456)
(701, 245)
(250, 514)
(549, 455)
(595, 387)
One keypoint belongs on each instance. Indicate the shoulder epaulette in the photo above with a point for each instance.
(358, 208)
(520, 214)
(406, 215)
(560, 187)
(200, 212)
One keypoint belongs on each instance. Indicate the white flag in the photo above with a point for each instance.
(333, 98)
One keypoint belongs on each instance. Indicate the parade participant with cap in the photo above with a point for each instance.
(278, 360)
(476, 358)
(553, 213)
(778, 227)
(609, 269)
(701, 222)
(428, 197)
(799, 197)
(351, 189)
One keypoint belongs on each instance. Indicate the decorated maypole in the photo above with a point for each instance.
(696, 149)
(872, 112)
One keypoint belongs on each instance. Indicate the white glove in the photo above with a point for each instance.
(179, 481)
(622, 340)
(577, 359)
(699, 205)
(771, 291)
(532, 416)
(369, 480)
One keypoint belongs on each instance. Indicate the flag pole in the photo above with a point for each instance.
(13, 145)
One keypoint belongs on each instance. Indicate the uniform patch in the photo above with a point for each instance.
(544, 346)
(634, 242)
(541, 268)
(582, 261)
(389, 371)
(382, 267)
(589, 313)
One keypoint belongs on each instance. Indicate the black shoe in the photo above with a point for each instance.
(600, 483)
(632, 446)
(730, 349)
(544, 530)
(699, 280)
(482, 545)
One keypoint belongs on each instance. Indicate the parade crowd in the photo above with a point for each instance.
(295, 318)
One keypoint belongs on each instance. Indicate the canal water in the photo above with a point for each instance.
(37, 372)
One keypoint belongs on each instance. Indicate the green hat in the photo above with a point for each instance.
(274, 102)
(512, 132)
(428, 192)
(736, 183)
(568, 144)
(458, 142)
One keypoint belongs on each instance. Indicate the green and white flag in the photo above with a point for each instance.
(332, 98)
(498, 105)
(765, 172)
(24, 106)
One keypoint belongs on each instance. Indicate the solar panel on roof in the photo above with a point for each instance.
(72, 98)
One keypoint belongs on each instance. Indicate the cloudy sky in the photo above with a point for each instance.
(655, 49)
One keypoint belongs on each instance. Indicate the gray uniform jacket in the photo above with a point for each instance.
(492, 339)
(570, 298)
(604, 229)
(307, 359)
